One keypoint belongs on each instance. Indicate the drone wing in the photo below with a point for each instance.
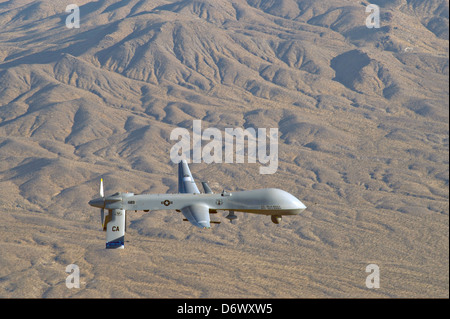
(197, 214)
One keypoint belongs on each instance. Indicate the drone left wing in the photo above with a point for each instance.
(197, 214)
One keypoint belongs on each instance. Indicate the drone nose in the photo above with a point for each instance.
(98, 202)
(302, 206)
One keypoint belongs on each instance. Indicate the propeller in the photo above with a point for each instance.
(102, 211)
(101, 188)
(102, 202)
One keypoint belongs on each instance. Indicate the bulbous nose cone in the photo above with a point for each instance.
(286, 199)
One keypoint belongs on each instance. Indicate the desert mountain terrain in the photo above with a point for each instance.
(362, 115)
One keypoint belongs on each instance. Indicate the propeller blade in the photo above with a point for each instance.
(101, 188)
(102, 215)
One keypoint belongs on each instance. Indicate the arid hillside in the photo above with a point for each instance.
(362, 115)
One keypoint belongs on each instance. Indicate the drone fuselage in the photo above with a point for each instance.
(268, 201)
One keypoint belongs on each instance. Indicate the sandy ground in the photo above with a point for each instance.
(229, 261)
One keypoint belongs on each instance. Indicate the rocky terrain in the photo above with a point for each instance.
(362, 115)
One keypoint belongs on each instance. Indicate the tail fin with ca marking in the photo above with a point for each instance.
(115, 228)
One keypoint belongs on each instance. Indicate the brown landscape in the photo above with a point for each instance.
(362, 115)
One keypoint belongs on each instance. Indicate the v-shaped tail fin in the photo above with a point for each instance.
(186, 183)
